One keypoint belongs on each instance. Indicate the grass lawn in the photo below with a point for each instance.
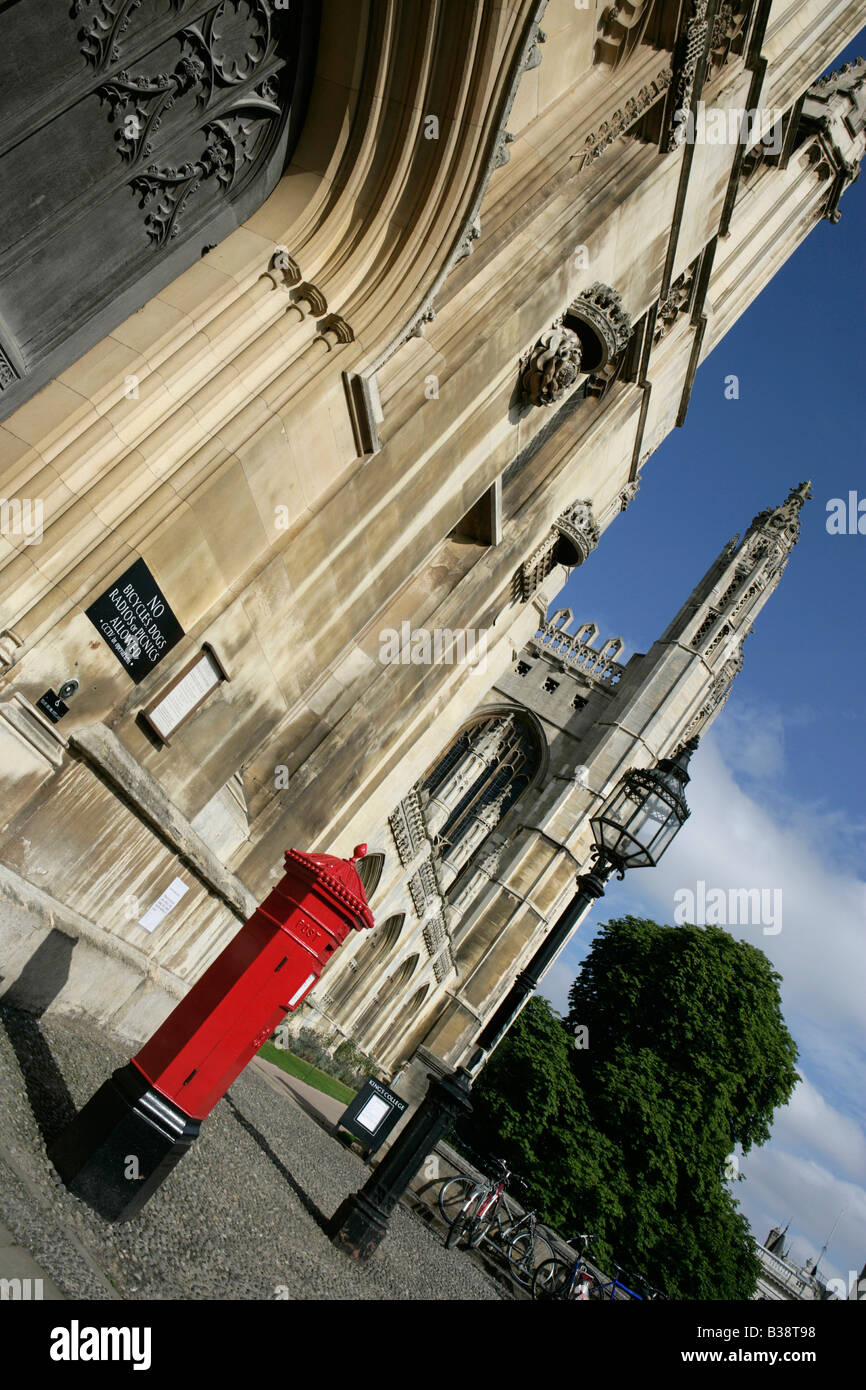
(304, 1072)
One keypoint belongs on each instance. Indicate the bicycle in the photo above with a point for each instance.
(524, 1242)
(564, 1279)
(478, 1209)
(518, 1235)
(599, 1290)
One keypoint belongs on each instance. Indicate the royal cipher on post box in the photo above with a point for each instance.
(122, 1145)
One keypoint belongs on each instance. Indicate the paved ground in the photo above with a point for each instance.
(240, 1217)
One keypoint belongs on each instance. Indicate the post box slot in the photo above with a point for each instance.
(281, 964)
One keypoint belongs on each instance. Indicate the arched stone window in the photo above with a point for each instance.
(475, 783)
(378, 945)
(407, 1029)
(368, 1024)
(370, 872)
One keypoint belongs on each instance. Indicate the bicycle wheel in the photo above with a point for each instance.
(551, 1280)
(479, 1229)
(459, 1226)
(463, 1222)
(453, 1196)
(526, 1253)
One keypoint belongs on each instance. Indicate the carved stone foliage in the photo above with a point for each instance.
(688, 53)
(104, 23)
(226, 67)
(621, 27)
(622, 120)
(165, 127)
(675, 302)
(552, 366)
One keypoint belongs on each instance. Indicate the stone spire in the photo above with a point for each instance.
(720, 611)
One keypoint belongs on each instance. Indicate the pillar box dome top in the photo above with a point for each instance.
(336, 876)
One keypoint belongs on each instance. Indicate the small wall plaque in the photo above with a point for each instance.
(52, 706)
(178, 701)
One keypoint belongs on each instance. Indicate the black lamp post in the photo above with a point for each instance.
(632, 829)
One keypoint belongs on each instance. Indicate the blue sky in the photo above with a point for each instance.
(777, 784)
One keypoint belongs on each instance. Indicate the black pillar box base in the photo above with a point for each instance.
(357, 1227)
(122, 1145)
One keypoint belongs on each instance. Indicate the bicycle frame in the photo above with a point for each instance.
(613, 1285)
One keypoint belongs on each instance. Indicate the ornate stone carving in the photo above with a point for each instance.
(628, 493)
(8, 374)
(577, 524)
(105, 22)
(676, 302)
(443, 965)
(598, 667)
(230, 145)
(407, 827)
(423, 888)
(533, 55)
(621, 28)
(552, 367)
(435, 934)
(149, 98)
(690, 48)
(541, 562)
(622, 120)
(728, 34)
(601, 308)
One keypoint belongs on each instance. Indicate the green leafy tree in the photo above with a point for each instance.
(688, 1055)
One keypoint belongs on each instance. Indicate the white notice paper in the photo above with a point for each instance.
(183, 697)
(372, 1114)
(163, 905)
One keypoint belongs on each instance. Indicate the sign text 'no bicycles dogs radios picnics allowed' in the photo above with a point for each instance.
(372, 1114)
(134, 618)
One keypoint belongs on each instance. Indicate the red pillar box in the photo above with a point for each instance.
(129, 1136)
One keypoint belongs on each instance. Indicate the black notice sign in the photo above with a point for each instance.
(135, 620)
(51, 704)
(372, 1114)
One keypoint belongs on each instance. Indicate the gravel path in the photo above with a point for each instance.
(239, 1216)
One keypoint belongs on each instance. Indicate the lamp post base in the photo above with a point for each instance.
(121, 1147)
(358, 1226)
(361, 1221)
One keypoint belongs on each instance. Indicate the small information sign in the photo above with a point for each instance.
(373, 1113)
(52, 706)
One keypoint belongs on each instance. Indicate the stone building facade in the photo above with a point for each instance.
(480, 856)
(322, 326)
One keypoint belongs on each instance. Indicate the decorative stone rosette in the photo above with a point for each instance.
(552, 366)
